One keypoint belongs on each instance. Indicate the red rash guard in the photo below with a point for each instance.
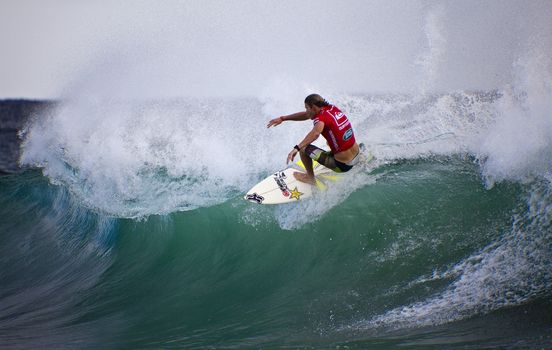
(338, 130)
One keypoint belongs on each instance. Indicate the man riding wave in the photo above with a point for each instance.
(330, 122)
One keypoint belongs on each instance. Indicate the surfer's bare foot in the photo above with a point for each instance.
(304, 178)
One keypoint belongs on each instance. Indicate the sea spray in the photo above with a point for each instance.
(133, 159)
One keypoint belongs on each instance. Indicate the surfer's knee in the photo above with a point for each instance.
(312, 151)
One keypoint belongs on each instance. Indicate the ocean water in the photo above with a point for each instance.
(123, 226)
(122, 219)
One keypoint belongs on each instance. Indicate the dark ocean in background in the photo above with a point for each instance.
(122, 225)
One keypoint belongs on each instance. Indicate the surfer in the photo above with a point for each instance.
(334, 126)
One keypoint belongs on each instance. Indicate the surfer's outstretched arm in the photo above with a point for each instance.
(295, 116)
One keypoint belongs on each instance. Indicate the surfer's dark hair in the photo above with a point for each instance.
(316, 100)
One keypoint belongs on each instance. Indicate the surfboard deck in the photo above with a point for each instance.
(282, 187)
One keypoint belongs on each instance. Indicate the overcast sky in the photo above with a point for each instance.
(177, 48)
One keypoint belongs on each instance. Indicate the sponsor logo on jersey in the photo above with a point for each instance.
(348, 134)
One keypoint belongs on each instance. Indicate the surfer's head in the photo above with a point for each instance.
(315, 100)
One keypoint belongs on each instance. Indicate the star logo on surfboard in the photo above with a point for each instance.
(295, 193)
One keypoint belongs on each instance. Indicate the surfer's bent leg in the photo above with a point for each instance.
(323, 157)
(326, 159)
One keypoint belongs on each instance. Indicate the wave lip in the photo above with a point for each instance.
(134, 159)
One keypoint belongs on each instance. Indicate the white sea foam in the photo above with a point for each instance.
(129, 159)
(139, 158)
(518, 146)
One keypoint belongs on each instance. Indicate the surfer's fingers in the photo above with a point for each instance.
(290, 157)
(274, 122)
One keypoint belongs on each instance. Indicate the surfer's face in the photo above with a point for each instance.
(313, 109)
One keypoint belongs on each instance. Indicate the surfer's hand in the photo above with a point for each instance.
(291, 155)
(275, 121)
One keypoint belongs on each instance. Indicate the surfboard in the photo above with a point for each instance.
(282, 187)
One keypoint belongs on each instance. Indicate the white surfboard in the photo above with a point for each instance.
(282, 187)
